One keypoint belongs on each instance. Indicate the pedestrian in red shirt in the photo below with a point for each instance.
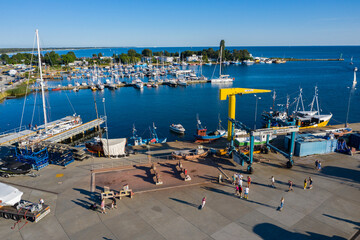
(248, 181)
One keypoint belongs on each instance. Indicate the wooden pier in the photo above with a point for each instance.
(16, 136)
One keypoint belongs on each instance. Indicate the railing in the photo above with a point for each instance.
(15, 130)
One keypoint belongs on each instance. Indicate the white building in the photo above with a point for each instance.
(193, 58)
(166, 59)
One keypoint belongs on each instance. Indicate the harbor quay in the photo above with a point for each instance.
(327, 210)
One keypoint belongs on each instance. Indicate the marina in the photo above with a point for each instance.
(207, 130)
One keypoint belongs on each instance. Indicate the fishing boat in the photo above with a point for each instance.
(304, 119)
(203, 135)
(178, 128)
(222, 78)
(136, 140)
(192, 154)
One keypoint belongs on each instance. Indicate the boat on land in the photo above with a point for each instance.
(136, 140)
(202, 135)
(56, 89)
(191, 154)
(178, 128)
(107, 147)
(14, 168)
(222, 78)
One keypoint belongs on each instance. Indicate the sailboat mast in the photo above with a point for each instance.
(274, 98)
(41, 80)
(220, 59)
(317, 101)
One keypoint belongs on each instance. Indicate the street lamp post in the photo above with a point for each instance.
(257, 98)
(107, 135)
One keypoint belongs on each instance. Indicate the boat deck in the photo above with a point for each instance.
(11, 138)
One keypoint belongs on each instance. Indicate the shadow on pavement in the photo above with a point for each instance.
(343, 219)
(268, 231)
(185, 202)
(339, 172)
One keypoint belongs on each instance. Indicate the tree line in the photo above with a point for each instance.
(132, 56)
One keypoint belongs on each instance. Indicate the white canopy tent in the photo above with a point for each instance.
(9, 195)
(113, 147)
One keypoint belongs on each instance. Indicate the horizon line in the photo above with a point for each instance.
(102, 47)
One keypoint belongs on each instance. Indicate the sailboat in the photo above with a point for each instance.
(222, 78)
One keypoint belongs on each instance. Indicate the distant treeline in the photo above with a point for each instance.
(54, 59)
(50, 58)
(14, 50)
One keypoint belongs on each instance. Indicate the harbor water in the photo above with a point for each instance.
(165, 105)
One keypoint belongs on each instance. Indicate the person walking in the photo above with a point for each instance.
(248, 181)
(272, 181)
(319, 166)
(316, 164)
(203, 202)
(237, 190)
(240, 182)
(103, 206)
(241, 191)
(310, 183)
(247, 189)
(305, 183)
(290, 186)
(281, 204)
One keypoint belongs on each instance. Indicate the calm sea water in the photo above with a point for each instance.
(165, 105)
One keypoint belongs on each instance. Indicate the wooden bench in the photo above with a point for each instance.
(156, 178)
(107, 193)
(182, 171)
(124, 193)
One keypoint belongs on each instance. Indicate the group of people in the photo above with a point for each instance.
(94, 207)
(308, 183)
(240, 190)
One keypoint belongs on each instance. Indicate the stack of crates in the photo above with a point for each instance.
(38, 159)
(61, 158)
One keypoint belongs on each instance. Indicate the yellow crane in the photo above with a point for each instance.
(231, 93)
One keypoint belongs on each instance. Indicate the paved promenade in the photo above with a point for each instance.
(328, 211)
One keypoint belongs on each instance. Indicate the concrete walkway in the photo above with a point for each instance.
(328, 211)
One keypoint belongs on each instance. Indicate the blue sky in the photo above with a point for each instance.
(179, 23)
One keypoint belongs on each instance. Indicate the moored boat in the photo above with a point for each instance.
(203, 135)
(178, 128)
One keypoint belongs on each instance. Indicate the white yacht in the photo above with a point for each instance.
(222, 78)
(178, 128)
